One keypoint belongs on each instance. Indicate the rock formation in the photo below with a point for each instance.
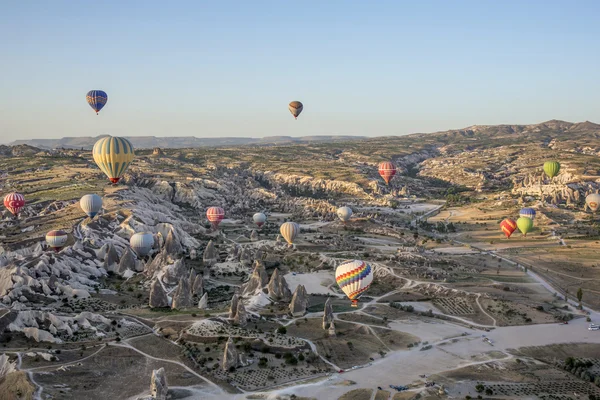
(175, 272)
(234, 306)
(299, 301)
(158, 297)
(203, 303)
(172, 245)
(241, 316)
(258, 280)
(198, 286)
(331, 330)
(254, 235)
(128, 262)
(327, 314)
(193, 254)
(157, 152)
(158, 384)
(183, 295)
(278, 287)
(231, 357)
(210, 254)
(111, 259)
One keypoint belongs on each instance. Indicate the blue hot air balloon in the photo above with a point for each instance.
(96, 99)
(91, 204)
(527, 212)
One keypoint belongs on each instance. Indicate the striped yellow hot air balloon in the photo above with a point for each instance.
(113, 155)
(289, 231)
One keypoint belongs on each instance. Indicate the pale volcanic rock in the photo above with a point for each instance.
(241, 316)
(203, 303)
(210, 254)
(278, 287)
(327, 314)
(158, 297)
(183, 295)
(6, 366)
(158, 384)
(174, 272)
(299, 301)
(128, 262)
(231, 357)
(198, 286)
(254, 236)
(258, 280)
(111, 259)
(233, 306)
(172, 245)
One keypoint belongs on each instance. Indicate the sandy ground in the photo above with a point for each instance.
(455, 250)
(312, 282)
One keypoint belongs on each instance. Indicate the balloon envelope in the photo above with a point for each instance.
(527, 212)
(354, 277)
(91, 204)
(113, 155)
(551, 168)
(344, 213)
(508, 226)
(295, 108)
(215, 215)
(289, 231)
(593, 201)
(259, 219)
(14, 202)
(96, 99)
(525, 225)
(387, 170)
(141, 243)
(57, 239)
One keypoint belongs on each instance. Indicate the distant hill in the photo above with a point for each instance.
(146, 142)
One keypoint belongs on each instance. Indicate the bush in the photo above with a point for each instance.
(282, 330)
(479, 388)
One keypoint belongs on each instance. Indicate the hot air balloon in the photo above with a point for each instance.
(289, 231)
(527, 212)
(96, 99)
(259, 219)
(592, 200)
(525, 225)
(57, 239)
(508, 226)
(551, 168)
(113, 155)
(141, 243)
(295, 108)
(387, 170)
(14, 202)
(344, 213)
(354, 277)
(91, 204)
(215, 215)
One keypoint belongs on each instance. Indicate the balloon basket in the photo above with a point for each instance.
(354, 303)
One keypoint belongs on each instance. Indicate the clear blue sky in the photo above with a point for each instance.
(229, 68)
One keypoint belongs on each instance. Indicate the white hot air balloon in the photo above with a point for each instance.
(141, 243)
(289, 231)
(57, 239)
(344, 213)
(259, 219)
(91, 204)
(354, 277)
(593, 201)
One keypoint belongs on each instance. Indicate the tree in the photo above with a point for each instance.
(479, 388)
(282, 330)
(579, 296)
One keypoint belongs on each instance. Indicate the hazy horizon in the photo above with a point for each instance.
(208, 70)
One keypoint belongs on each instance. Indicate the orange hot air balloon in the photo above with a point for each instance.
(387, 170)
(508, 226)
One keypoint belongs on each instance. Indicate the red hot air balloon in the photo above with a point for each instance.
(215, 215)
(387, 170)
(508, 226)
(14, 202)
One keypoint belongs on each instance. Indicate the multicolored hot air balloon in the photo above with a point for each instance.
(295, 108)
(96, 99)
(14, 202)
(91, 204)
(259, 219)
(525, 225)
(344, 213)
(592, 201)
(57, 239)
(354, 277)
(141, 243)
(113, 155)
(527, 212)
(387, 170)
(551, 168)
(289, 231)
(508, 226)
(215, 215)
